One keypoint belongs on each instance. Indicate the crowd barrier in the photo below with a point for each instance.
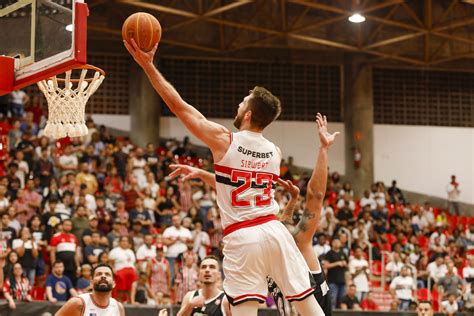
(42, 308)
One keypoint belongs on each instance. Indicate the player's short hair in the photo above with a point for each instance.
(57, 262)
(210, 257)
(101, 265)
(425, 302)
(265, 107)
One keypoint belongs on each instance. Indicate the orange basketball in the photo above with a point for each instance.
(144, 28)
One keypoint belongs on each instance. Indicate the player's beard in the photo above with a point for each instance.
(238, 121)
(101, 287)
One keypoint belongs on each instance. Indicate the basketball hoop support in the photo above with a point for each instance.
(7, 67)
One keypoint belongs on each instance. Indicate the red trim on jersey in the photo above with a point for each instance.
(297, 296)
(228, 170)
(83, 305)
(96, 304)
(251, 222)
(230, 136)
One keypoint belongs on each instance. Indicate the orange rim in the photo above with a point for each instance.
(86, 66)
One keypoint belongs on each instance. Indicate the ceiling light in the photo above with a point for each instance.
(357, 18)
(69, 27)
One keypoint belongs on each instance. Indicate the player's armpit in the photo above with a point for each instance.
(73, 307)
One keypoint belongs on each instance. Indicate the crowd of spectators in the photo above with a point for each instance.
(414, 252)
(68, 205)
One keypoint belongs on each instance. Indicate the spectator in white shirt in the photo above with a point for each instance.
(419, 221)
(468, 272)
(4, 202)
(468, 238)
(403, 288)
(428, 216)
(450, 307)
(437, 269)
(438, 233)
(146, 252)
(359, 270)
(175, 237)
(367, 200)
(201, 240)
(67, 161)
(122, 259)
(360, 233)
(469, 298)
(322, 247)
(453, 196)
(342, 202)
(394, 267)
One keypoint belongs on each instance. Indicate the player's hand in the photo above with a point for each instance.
(53, 300)
(12, 304)
(289, 187)
(198, 301)
(163, 312)
(142, 58)
(326, 139)
(186, 171)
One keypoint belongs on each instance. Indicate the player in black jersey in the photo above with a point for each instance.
(208, 300)
(305, 229)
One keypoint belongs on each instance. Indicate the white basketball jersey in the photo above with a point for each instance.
(91, 309)
(246, 178)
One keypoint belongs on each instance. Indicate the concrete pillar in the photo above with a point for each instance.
(144, 108)
(359, 125)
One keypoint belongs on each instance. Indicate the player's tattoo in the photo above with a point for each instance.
(303, 223)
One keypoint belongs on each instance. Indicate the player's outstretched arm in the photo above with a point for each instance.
(214, 135)
(190, 173)
(73, 307)
(316, 186)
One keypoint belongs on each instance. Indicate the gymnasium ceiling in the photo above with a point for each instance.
(420, 33)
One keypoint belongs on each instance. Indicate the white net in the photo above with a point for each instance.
(67, 100)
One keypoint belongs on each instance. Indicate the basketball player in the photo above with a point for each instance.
(425, 308)
(99, 302)
(247, 167)
(306, 228)
(209, 299)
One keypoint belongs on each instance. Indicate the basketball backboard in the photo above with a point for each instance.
(40, 39)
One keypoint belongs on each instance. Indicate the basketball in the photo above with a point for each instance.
(144, 28)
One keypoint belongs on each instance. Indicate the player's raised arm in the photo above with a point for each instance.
(316, 186)
(214, 135)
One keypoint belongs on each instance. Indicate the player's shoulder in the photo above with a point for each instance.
(120, 308)
(74, 306)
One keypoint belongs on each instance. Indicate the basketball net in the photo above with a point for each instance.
(67, 98)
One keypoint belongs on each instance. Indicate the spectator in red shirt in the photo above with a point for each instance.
(17, 287)
(368, 304)
(64, 247)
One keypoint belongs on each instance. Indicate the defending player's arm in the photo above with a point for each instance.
(214, 135)
(316, 190)
(73, 307)
(189, 303)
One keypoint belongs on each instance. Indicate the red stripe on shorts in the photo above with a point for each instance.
(251, 222)
(293, 297)
(241, 297)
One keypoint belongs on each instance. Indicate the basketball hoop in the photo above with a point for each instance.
(67, 98)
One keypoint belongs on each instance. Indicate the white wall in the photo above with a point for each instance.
(423, 158)
(420, 158)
